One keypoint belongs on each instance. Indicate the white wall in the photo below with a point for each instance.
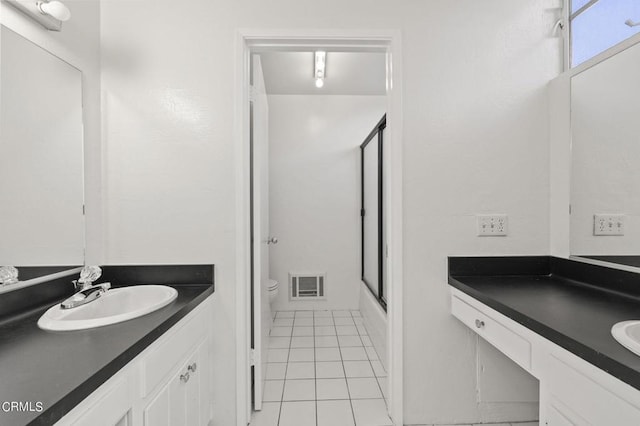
(78, 44)
(475, 141)
(606, 153)
(314, 188)
(167, 104)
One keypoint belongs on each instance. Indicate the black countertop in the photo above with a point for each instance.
(572, 304)
(60, 369)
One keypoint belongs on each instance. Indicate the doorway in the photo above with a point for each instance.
(250, 295)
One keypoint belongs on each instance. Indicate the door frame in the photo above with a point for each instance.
(250, 41)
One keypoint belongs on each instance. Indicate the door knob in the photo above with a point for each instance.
(272, 240)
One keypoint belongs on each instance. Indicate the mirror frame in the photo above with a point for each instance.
(71, 269)
(568, 75)
(38, 280)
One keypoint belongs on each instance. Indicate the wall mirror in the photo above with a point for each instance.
(41, 160)
(605, 175)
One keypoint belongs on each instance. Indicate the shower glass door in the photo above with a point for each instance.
(372, 212)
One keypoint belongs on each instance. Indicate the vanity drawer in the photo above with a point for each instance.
(160, 362)
(507, 341)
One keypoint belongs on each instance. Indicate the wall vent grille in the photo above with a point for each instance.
(307, 286)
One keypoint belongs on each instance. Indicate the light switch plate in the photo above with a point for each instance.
(608, 224)
(494, 225)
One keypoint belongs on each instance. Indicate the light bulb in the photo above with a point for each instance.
(55, 9)
(319, 68)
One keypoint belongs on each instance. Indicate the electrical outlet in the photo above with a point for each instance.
(495, 225)
(608, 224)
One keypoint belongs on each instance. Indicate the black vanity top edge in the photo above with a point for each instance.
(572, 304)
(499, 265)
(606, 278)
(60, 369)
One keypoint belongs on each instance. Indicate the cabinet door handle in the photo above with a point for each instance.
(184, 378)
(193, 367)
(479, 324)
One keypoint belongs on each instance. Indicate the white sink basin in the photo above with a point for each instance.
(627, 333)
(117, 305)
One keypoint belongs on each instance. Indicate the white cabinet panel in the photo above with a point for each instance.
(157, 412)
(586, 398)
(184, 399)
(110, 405)
(159, 362)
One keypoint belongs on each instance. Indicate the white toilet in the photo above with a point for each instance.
(273, 290)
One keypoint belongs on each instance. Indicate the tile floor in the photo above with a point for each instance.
(322, 370)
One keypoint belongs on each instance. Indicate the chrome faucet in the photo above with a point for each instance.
(86, 295)
(86, 291)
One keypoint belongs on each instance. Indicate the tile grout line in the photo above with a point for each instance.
(314, 363)
(315, 378)
(371, 363)
(353, 412)
(286, 368)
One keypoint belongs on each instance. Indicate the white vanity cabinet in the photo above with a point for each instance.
(572, 391)
(169, 383)
(110, 405)
(577, 393)
(183, 400)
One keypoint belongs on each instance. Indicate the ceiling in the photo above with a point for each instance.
(347, 73)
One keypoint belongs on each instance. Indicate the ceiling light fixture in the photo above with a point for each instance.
(56, 9)
(319, 68)
(48, 13)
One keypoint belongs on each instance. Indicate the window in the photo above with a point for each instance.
(597, 25)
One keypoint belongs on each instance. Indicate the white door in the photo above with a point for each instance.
(261, 311)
